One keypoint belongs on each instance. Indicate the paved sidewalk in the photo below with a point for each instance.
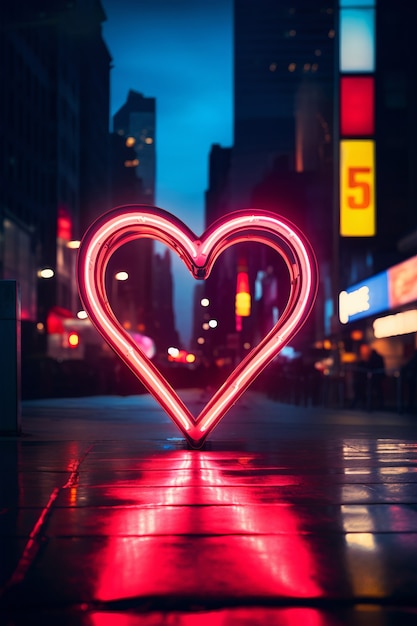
(288, 516)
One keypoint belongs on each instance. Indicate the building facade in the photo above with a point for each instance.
(54, 68)
(377, 272)
(281, 158)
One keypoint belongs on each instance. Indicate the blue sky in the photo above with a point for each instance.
(179, 52)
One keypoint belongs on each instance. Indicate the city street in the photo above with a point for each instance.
(288, 516)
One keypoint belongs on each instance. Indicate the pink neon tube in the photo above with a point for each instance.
(125, 223)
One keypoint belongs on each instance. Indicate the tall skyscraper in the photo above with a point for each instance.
(283, 59)
(136, 121)
(135, 124)
(281, 159)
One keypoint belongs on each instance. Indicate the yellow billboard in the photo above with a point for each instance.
(357, 188)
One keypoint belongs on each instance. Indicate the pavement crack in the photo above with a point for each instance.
(37, 533)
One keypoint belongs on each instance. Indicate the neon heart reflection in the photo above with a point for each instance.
(123, 224)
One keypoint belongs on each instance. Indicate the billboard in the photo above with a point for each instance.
(357, 188)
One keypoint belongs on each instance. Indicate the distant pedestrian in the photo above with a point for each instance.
(376, 375)
(368, 379)
(360, 380)
(409, 382)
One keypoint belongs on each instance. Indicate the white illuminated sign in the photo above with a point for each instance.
(354, 302)
(398, 324)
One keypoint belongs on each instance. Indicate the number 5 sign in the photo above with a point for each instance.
(357, 188)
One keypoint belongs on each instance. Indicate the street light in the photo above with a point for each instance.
(74, 244)
(46, 272)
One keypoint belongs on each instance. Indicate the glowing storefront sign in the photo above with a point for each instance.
(387, 290)
(365, 298)
(402, 281)
(123, 224)
(353, 303)
(398, 324)
(357, 188)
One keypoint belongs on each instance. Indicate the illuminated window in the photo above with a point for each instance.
(273, 67)
(130, 141)
(291, 67)
(149, 140)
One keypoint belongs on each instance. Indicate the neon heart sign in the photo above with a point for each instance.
(126, 223)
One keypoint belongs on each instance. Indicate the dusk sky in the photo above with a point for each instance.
(181, 54)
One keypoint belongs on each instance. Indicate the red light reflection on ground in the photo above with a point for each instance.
(226, 617)
(178, 546)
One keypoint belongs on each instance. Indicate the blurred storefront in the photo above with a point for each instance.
(381, 311)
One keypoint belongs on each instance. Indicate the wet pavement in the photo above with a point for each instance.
(288, 516)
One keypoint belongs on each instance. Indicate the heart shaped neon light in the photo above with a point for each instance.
(123, 224)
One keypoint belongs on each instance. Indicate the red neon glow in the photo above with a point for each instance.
(357, 114)
(55, 320)
(251, 559)
(64, 224)
(123, 224)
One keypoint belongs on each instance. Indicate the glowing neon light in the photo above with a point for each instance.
(357, 39)
(242, 298)
(73, 340)
(123, 224)
(398, 324)
(357, 114)
(354, 302)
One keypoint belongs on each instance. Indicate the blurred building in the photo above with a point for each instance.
(54, 71)
(377, 270)
(283, 88)
(166, 334)
(281, 158)
(136, 122)
(133, 182)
